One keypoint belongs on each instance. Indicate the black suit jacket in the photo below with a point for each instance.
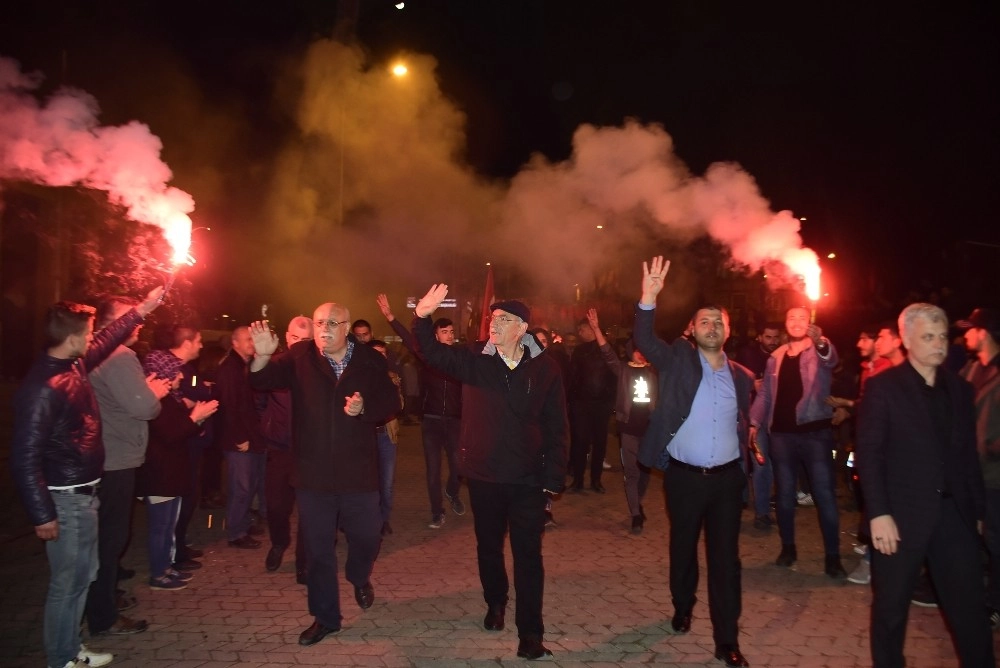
(901, 466)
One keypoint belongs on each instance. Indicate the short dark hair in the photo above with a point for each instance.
(181, 333)
(541, 330)
(378, 343)
(710, 307)
(870, 330)
(360, 323)
(441, 323)
(106, 308)
(771, 324)
(891, 325)
(64, 319)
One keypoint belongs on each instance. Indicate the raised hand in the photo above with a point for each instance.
(592, 319)
(429, 302)
(265, 342)
(654, 275)
(153, 299)
(383, 305)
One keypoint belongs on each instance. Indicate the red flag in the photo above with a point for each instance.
(486, 314)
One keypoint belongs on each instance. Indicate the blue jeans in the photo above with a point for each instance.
(386, 472)
(162, 522)
(242, 469)
(814, 451)
(762, 477)
(73, 566)
(440, 434)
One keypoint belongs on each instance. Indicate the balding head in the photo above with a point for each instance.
(299, 329)
(330, 323)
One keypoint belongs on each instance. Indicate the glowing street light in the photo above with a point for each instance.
(400, 70)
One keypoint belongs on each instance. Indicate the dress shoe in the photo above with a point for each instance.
(532, 649)
(186, 553)
(301, 576)
(834, 568)
(124, 626)
(315, 633)
(576, 487)
(787, 557)
(637, 523)
(681, 623)
(598, 487)
(187, 565)
(365, 595)
(274, 557)
(245, 543)
(731, 655)
(494, 617)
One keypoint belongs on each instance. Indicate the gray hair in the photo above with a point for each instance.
(928, 312)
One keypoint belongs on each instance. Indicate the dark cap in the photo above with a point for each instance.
(513, 307)
(982, 318)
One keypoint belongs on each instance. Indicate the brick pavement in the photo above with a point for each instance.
(606, 599)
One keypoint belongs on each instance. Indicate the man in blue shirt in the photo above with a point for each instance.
(698, 435)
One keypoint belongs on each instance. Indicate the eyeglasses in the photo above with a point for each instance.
(503, 319)
(328, 324)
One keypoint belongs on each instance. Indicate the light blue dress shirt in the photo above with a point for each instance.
(708, 436)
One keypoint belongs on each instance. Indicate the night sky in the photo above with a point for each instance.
(877, 125)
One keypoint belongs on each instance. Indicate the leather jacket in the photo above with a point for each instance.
(57, 423)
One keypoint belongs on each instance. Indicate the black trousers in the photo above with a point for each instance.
(715, 502)
(440, 435)
(281, 502)
(497, 508)
(588, 422)
(953, 559)
(114, 522)
(189, 500)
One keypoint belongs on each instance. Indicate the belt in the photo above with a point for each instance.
(89, 490)
(705, 470)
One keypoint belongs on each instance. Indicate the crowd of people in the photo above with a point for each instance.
(516, 421)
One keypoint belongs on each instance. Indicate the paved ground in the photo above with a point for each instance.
(606, 599)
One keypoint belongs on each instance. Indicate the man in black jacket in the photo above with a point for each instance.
(512, 452)
(591, 389)
(698, 436)
(924, 492)
(56, 460)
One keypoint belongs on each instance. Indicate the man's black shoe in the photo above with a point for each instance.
(274, 556)
(532, 649)
(365, 595)
(245, 543)
(186, 553)
(494, 618)
(186, 565)
(834, 568)
(302, 576)
(787, 557)
(681, 623)
(731, 655)
(637, 522)
(315, 633)
(598, 487)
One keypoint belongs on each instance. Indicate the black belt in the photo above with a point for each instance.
(704, 470)
(89, 490)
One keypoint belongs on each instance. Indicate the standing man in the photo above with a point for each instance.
(791, 406)
(241, 439)
(512, 452)
(698, 435)
(441, 406)
(128, 400)
(362, 330)
(982, 338)
(57, 459)
(340, 391)
(591, 391)
(276, 423)
(923, 488)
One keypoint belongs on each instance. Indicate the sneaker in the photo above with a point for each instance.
(605, 465)
(861, 575)
(167, 583)
(183, 576)
(95, 659)
(861, 549)
(550, 521)
(437, 522)
(124, 626)
(804, 499)
(457, 506)
(924, 599)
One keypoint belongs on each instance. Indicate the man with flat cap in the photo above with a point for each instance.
(512, 451)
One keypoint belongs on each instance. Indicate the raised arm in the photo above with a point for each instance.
(265, 342)
(654, 349)
(397, 326)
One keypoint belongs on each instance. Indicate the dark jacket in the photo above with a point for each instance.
(679, 369)
(276, 416)
(627, 376)
(57, 423)
(440, 394)
(333, 451)
(238, 419)
(514, 427)
(904, 466)
(167, 469)
(589, 376)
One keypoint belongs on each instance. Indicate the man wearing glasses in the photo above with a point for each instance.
(340, 391)
(512, 451)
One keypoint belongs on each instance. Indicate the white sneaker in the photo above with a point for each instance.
(88, 657)
(605, 465)
(861, 575)
(804, 499)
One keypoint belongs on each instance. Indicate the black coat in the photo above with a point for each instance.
(167, 469)
(901, 466)
(238, 421)
(333, 451)
(514, 426)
